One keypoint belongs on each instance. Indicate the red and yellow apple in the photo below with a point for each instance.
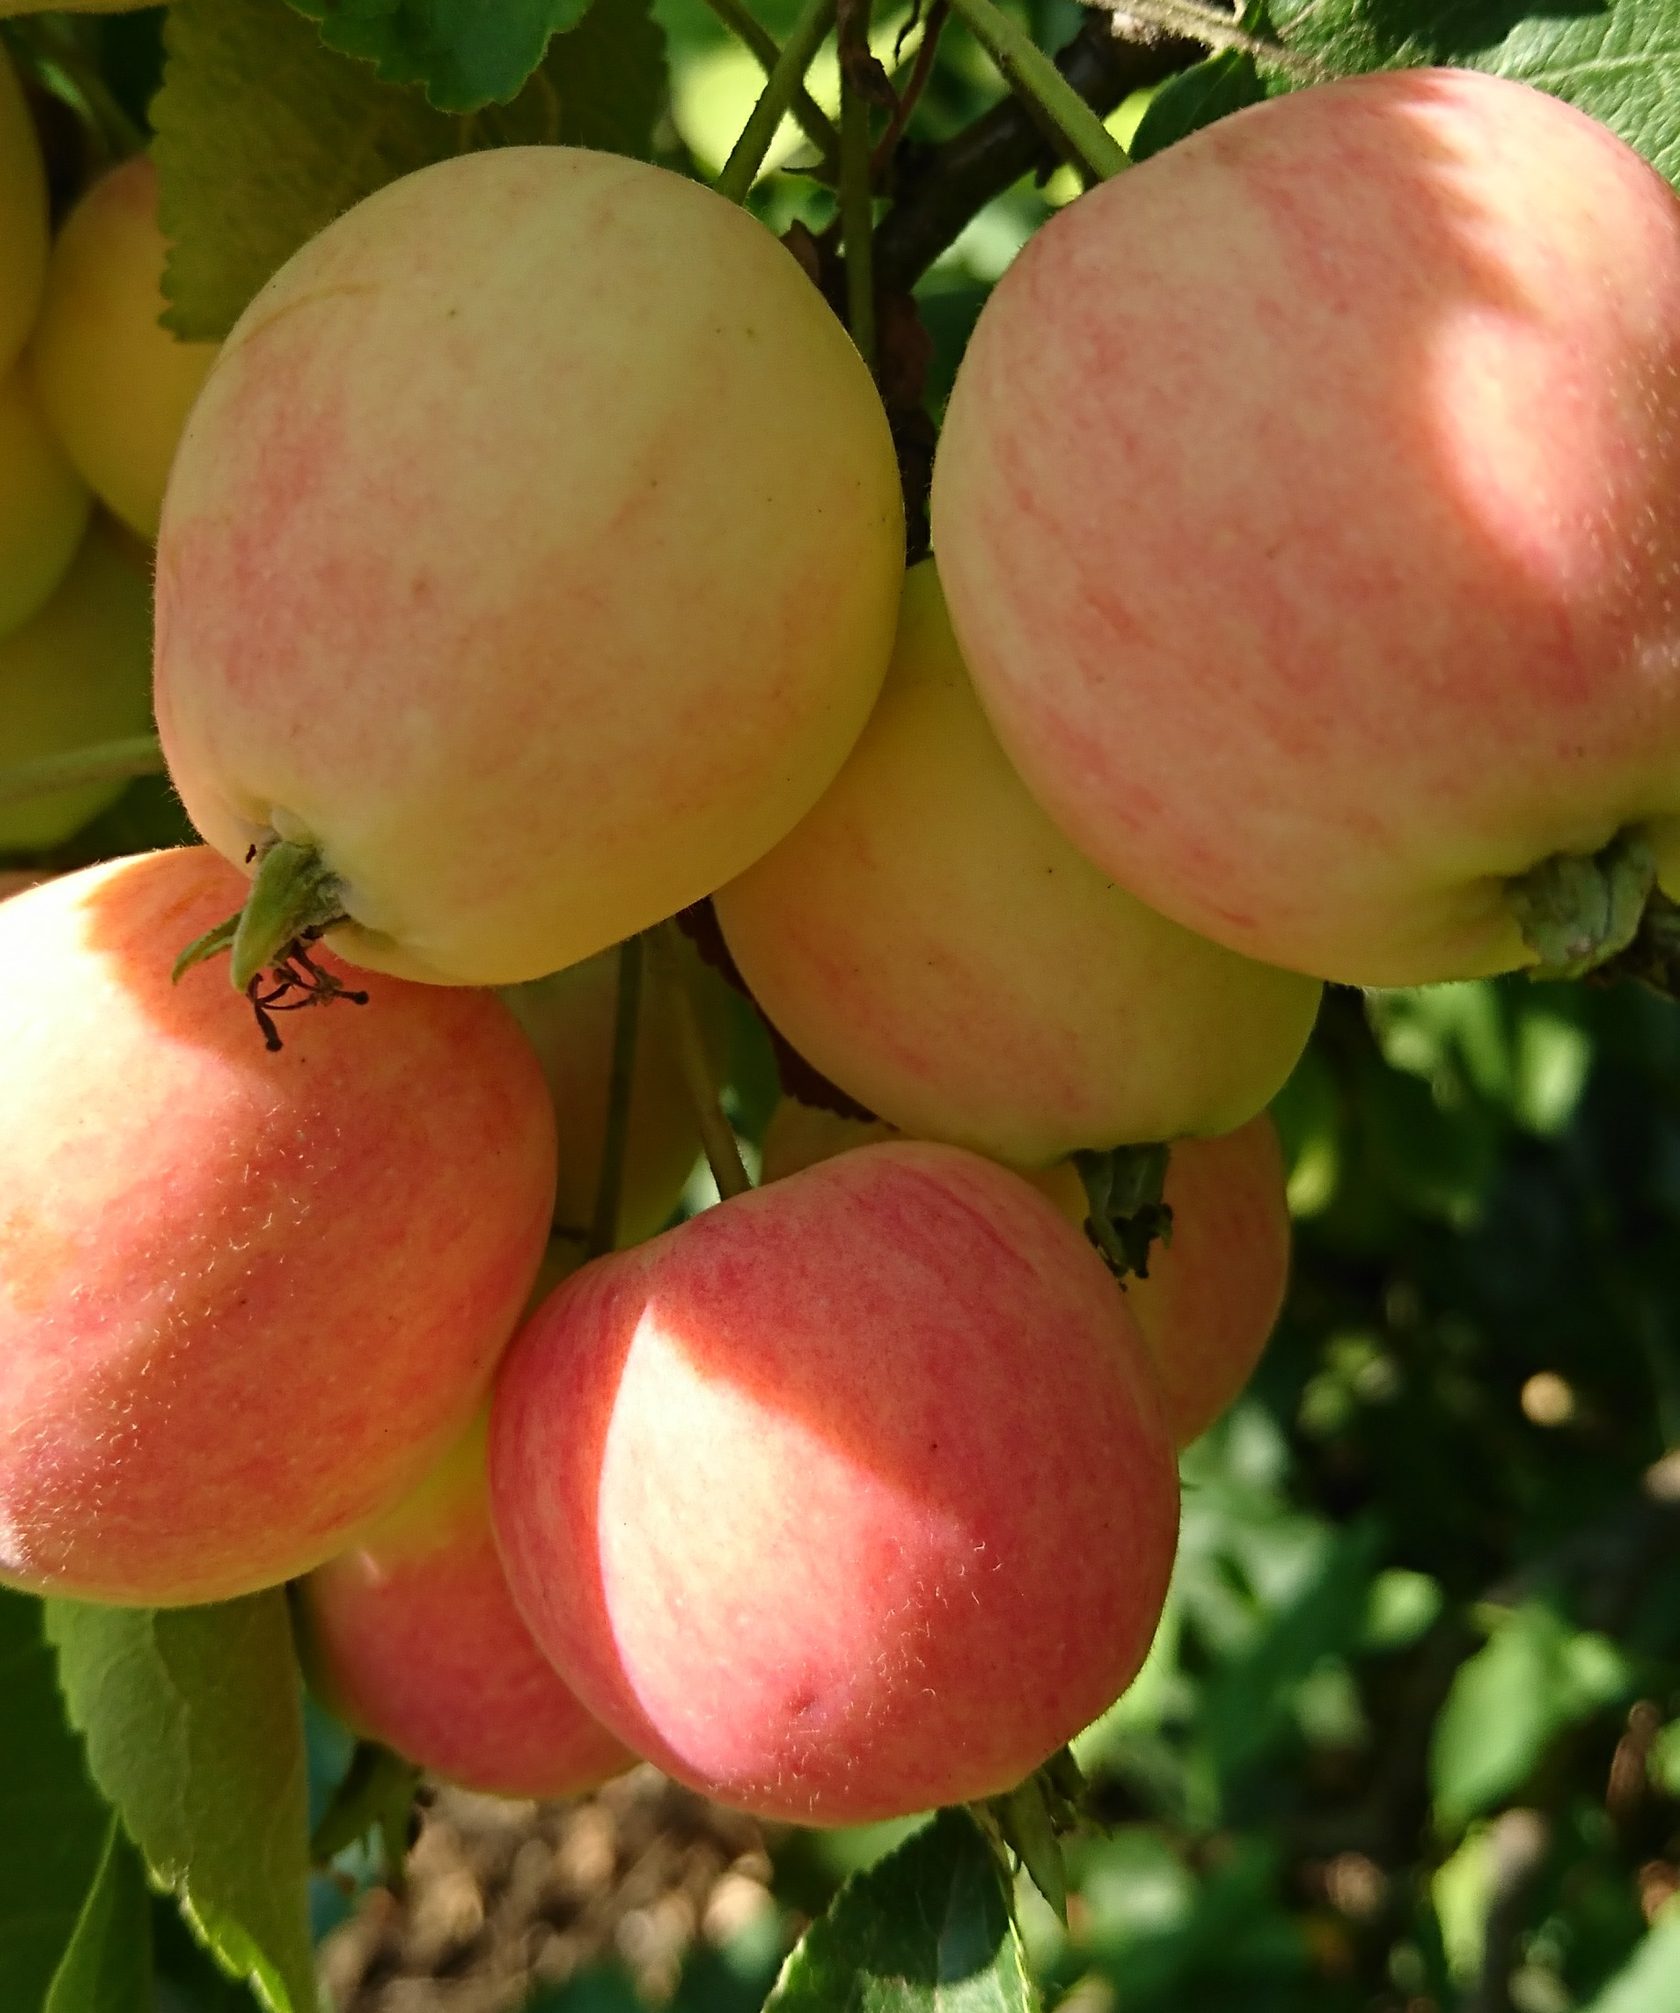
(530, 561)
(1210, 1299)
(115, 384)
(246, 1299)
(1309, 508)
(80, 672)
(412, 1638)
(848, 1497)
(931, 942)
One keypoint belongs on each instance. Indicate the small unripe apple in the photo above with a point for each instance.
(114, 382)
(78, 673)
(850, 1496)
(569, 1017)
(246, 1298)
(44, 506)
(412, 1638)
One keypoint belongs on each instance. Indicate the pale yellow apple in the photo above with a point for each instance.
(79, 673)
(43, 506)
(116, 385)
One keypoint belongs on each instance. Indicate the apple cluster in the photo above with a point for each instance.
(532, 568)
(93, 394)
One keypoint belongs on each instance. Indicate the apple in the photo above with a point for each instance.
(569, 1018)
(246, 1299)
(79, 673)
(1208, 1303)
(529, 565)
(850, 1496)
(115, 384)
(23, 217)
(1212, 1293)
(932, 943)
(1309, 508)
(412, 1638)
(43, 506)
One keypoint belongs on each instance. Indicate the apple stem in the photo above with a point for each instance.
(1124, 1188)
(814, 121)
(292, 894)
(786, 76)
(609, 1186)
(717, 1136)
(101, 762)
(1577, 910)
(1032, 75)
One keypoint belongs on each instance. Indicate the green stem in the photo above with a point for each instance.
(740, 171)
(817, 126)
(857, 198)
(292, 893)
(1032, 75)
(102, 762)
(1124, 1191)
(609, 1186)
(56, 50)
(717, 1136)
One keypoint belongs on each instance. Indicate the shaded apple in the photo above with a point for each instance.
(114, 382)
(412, 1638)
(1211, 1297)
(43, 506)
(932, 943)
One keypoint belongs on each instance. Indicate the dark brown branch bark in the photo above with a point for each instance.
(939, 189)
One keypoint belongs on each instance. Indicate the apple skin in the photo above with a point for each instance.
(44, 506)
(534, 551)
(1309, 507)
(245, 1299)
(115, 384)
(412, 1638)
(1212, 1294)
(846, 1498)
(934, 945)
(79, 673)
(23, 218)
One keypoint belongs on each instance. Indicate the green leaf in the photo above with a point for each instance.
(53, 1822)
(194, 1730)
(927, 1927)
(464, 54)
(1645, 1984)
(264, 135)
(1534, 1677)
(108, 1965)
(1620, 61)
(1195, 98)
